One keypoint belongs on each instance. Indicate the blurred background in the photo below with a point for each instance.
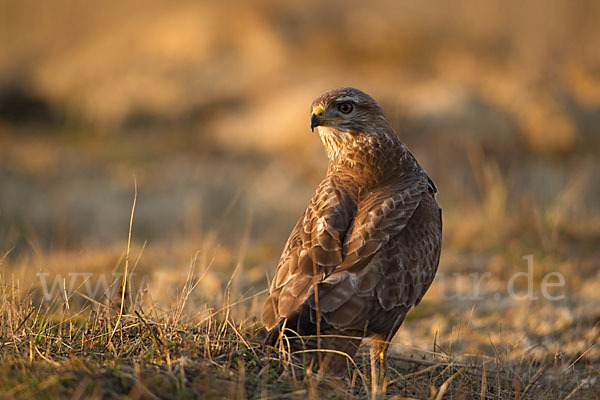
(207, 105)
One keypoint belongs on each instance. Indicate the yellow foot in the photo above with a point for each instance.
(378, 375)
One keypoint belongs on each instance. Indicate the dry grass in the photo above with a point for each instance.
(133, 340)
(73, 346)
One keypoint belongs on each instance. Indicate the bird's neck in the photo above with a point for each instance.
(372, 158)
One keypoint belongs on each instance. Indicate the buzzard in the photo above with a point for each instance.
(368, 245)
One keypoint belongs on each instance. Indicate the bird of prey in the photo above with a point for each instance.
(368, 245)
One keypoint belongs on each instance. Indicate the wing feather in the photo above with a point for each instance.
(314, 246)
(387, 268)
(375, 250)
(379, 218)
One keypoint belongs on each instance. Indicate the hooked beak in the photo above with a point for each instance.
(317, 117)
(315, 121)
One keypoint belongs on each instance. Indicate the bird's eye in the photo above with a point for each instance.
(345, 108)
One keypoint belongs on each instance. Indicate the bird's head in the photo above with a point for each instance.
(344, 115)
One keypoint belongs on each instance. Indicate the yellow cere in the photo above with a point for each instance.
(318, 111)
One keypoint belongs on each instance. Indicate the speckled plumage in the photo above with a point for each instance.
(369, 241)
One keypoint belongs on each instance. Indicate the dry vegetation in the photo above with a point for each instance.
(206, 105)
